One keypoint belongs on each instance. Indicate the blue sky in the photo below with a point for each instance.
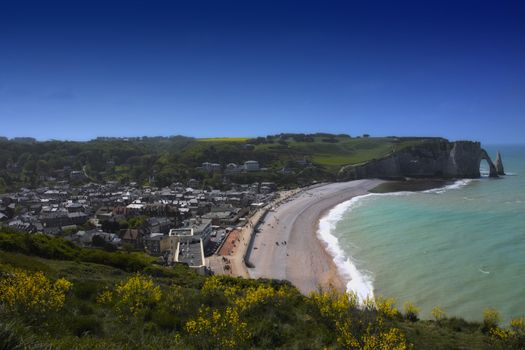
(81, 69)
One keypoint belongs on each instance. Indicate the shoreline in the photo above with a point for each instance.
(288, 245)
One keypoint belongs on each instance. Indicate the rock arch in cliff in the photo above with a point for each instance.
(493, 172)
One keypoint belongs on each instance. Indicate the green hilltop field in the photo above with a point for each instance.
(54, 295)
(288, 159)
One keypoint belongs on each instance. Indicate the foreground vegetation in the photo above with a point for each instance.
(51, 299)
(160, 161)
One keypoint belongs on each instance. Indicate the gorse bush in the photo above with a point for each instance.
(32, 293)
(354, 330)
(218, 329)
(491, 319)
(411, 311)
(133, 297)
(438, 314)
(82, 305)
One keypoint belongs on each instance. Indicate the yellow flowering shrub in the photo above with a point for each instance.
(438, 314)
(360, 333)
(514, 337)
(211, 285)
(411, 311)
(334, 304)
(386, 307)
(390, 339)
(500, 334)
(216, 329)
(105, 297)
(518, 325)
(262, 295)
(135, 295)
(32, 292)
(214, 284)
(491, 319)
(345, 337)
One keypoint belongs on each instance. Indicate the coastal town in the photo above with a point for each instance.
(182, 223)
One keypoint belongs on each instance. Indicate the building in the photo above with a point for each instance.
(210, 167)
(190, 249)
(133, 237)
(232, 168)
(152, 243)
(201, 228)
(251, 165)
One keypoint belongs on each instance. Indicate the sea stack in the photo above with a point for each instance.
(499, 165)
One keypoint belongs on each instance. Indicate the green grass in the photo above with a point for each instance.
(84, 324)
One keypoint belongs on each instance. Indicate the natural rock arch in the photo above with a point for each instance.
(436, 158)
(493, 172)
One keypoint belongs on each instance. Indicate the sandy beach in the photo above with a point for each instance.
(287, 246)
(229, 260)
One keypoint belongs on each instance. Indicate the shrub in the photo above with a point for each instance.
(386, 307)
(491, 319)
(132, 297)
(411, 311)
(32, 293)
(438, 314)
(215, 329)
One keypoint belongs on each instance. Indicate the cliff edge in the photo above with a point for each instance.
(438, 158)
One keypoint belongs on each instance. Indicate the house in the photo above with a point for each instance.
(232, 168)
(158, 243)
(251, 165)
(152, 243)
(160, 224)
(77, 218)
(104, 213)
(210, 167)
(133, 237)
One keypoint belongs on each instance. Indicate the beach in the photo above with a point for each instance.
(229, 260)
(287, 246)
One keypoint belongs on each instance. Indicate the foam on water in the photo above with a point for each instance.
(358, 281)
(454, 186)
(459, 246)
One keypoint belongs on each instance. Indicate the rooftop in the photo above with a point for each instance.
(190, 252)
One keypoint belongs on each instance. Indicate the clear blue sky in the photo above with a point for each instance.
(81, 69)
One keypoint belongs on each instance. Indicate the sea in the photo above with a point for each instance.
(460, 247)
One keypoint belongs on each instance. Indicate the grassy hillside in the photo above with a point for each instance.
(162, 160)
(132, 306)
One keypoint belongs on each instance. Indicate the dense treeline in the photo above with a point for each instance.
(30, 163)
(77, 304)
(157, 161)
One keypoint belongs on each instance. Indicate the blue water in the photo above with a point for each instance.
(462, 248)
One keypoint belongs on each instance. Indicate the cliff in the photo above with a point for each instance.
(437, 158)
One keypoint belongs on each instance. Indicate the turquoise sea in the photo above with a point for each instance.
(461, 248)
